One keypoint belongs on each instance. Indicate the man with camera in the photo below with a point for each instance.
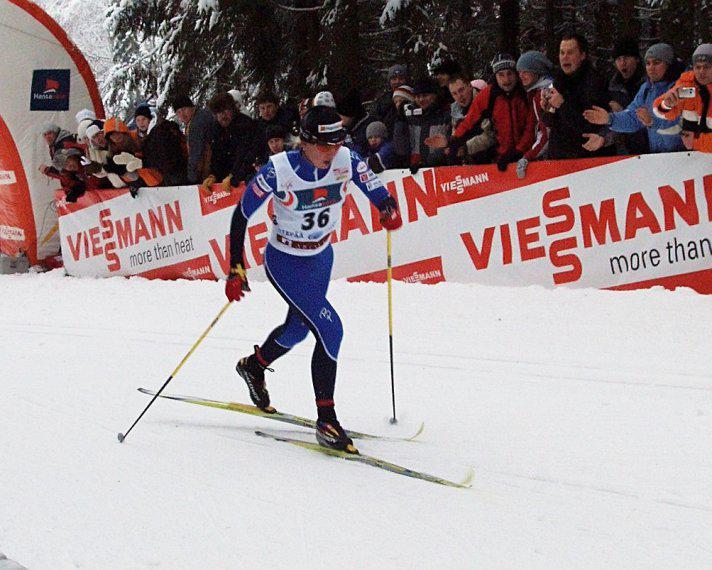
(689, 98)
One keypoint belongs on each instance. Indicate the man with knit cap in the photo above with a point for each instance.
(690, 98)
(417, 124)
(505, 103)
(198, 126)
(535, 70)
(355, 120)
(623, 86)
(384, 109)
(662, 69)
(628, 75)
(577, 87)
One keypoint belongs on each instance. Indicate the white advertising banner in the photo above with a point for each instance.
(620, 222)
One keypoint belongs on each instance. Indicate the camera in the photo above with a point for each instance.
(686, 92)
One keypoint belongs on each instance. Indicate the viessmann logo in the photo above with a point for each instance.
(50, 90)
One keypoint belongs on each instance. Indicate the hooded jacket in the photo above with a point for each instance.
(696, 112)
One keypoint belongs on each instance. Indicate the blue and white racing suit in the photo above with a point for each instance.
(299, 257)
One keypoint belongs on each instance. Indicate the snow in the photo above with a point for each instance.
(586, 415)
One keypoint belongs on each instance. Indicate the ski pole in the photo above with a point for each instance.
(389, 277)
(121, 436)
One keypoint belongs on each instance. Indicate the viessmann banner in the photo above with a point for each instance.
(606, 223)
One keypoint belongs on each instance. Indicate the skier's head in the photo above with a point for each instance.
(322, 135)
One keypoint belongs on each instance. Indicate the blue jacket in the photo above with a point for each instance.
(626, 121)
(382, 158)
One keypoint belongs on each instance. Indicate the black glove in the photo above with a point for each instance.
(414, 168)
(453, 146)
(506, 158)
(133, 191)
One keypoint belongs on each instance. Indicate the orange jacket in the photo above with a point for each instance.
(691, 111)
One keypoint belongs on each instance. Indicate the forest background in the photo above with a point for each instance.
(143, 49)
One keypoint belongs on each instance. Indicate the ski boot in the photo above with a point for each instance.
(329, 433)
(253, 373)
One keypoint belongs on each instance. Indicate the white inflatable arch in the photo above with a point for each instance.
(45, 79)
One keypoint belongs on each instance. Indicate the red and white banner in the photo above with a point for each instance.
(620, 222)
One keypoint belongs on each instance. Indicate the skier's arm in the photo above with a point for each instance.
(370, 184)
(256, 192)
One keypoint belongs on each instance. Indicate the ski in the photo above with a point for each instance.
(466, 483)
(278, 416)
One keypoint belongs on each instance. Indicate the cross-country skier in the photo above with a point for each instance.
(308, 185)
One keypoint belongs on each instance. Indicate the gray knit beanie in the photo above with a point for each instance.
(534, 62)
(397, 70)
(48, 128)
(662, 52)
(703, 54)
(377, 129)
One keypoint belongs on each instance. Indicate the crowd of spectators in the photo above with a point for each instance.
(529, 109)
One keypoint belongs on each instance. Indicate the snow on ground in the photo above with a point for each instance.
(586, 414)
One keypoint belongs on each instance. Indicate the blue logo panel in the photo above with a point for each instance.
(50, 90)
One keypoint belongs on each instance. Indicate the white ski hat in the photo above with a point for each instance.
(236, 96)
(85, 114)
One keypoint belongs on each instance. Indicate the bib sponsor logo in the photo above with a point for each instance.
(362, 167)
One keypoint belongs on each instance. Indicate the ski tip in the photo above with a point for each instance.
(417, 433)
(466, 483)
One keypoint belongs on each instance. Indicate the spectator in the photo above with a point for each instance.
(165, 149)
(270, 112)
(142, 119)
(237, 98)
(442, 72)
(56, 139)
(380, 150)
(577, 87)
(236, 143)
(628, 76)
(534, 70)
(385, 109)
(417, 126)
(97, 147)
(622, 88)
(690, 98)
(275, 139)
(84, 118)
(662, 69)
(67, 168)
(125, 158)
(402, 95)
(356, 120)
(198, 127)
(462, 93)
(505, 104)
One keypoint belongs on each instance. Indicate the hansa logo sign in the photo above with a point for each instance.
(50, 90)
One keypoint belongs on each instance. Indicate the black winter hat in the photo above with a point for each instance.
(143, 111)
(181, 101)
(322, 125)
(275, 132)
(448, 66)
(425, 85)
(350, 105)
(626, 46)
